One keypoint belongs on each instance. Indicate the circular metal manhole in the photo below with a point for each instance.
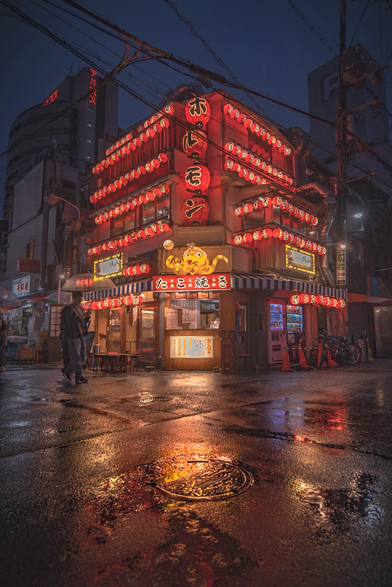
(201, 480)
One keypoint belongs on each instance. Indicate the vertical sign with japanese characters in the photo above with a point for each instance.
(341, 270)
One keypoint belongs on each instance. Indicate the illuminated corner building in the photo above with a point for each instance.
(212, 240)
(73, 132)
(365, 83)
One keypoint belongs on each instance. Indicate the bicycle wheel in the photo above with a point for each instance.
(313, 356)
(342, 356)
(353, 354)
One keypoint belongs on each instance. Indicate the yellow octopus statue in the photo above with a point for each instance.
(194, 261)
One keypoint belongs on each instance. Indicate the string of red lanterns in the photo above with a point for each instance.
(131, 204)
(136, 269)
(244, 173)
(283, 235)
(257, 129)
(117, 302)
(279, 203)
(137, 235)
(326, 301)
(261, 164)
(153, 125)
(133, 174)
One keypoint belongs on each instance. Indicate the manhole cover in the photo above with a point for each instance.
(201, 480)
(145, 399)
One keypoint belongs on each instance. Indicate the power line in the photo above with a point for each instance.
(360, 20)
(311, 26)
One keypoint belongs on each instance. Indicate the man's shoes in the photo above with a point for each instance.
(81, 379)
(68, 376)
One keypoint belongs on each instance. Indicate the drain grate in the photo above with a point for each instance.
(201, 480)
(144, 399)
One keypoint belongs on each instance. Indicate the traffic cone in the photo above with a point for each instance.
(369, 350)
(331, 362)
(319, 354)
(302, 359)
(286, 361)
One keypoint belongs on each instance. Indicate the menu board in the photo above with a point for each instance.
(171, 319)
(191, 347)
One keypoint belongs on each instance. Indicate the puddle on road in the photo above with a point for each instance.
(193, 553)
(337, 510)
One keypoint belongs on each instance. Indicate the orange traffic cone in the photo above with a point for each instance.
(302, 359)
(331, 362)
(319, 354)
(286, 361)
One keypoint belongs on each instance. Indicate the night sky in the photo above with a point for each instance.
(264, 43)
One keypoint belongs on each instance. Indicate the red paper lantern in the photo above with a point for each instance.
(238, 240)
(196, 211)
(197, 111)
(257, 235)
(248, 208)
(304, 298)
(326, 301)
(277, 233)
(197, 177)
(267, 233)
(248, 238)
(195, 143)
(294, 300)
(341, 303)
(319, 299)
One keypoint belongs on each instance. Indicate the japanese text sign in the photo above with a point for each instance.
(21, 286)
(214, 281)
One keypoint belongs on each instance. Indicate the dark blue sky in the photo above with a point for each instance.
(265, 44)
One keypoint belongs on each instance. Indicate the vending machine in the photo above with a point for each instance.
(295, 327)
(277, 332)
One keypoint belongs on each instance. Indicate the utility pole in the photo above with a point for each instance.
(341, 155)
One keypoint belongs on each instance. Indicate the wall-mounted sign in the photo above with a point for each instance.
(194, 261)
(53, 96)
(28, 265)
(341, 268)
(21, 286)
(108, 267)
(92, 97)
(191, 347)
(217, 281)
(299, 260)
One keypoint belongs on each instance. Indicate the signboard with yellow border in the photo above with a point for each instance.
(108, 267)
(299, 260)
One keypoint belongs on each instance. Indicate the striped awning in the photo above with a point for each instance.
(251, 281)
(136, 287)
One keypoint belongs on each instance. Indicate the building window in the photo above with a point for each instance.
(124, 223)
(156, 210)
(30, 250)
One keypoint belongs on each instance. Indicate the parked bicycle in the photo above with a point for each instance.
(343, 352)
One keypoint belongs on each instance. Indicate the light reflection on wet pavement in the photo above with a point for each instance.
(80, 497)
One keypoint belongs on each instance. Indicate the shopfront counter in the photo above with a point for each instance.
(192, 350)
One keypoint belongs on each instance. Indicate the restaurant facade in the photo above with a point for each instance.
(217, 251)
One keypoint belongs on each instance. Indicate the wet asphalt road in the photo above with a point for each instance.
(82, 473)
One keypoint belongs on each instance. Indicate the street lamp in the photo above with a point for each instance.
(59, 286)
(52, 200)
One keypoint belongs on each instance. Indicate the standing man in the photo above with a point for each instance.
(73, 329)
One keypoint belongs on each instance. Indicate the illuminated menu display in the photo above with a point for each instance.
(191, 347)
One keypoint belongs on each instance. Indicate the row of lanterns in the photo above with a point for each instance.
(278, 202)
(257, 129)
(122, 181)
(264, 166)
(151, 126)
(120, 209)
(283, 235)
(321, 300)
(131, 146)
(136, 270)
(244, 173)
(117, 302)
(151, 230)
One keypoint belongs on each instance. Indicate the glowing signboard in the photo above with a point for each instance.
(194, 261)
(108, 267)
(92, 97)
(21, 286)
(216, 281)
(53, 96)
(299, 260)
